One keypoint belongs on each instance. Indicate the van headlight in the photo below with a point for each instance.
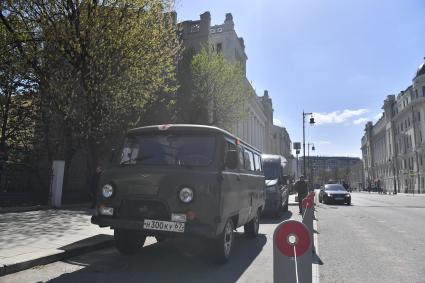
(186, 195)
(107, 191)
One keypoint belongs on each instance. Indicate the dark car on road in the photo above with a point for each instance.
(277, 191)
(334, 193)
(186, 181)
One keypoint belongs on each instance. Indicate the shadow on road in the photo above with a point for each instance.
(268, 219)
(316, 259)
(163, 262)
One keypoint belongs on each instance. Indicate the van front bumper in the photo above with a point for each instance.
(191, 229)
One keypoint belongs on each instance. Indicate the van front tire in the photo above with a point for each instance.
(128, 241)
(252, 227)
(223, 244)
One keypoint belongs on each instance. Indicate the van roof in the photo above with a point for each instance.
(185, 127)
(274, 157)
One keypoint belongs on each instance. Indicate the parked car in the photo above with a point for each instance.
(182, 181)
(277, 191)
(334, 193)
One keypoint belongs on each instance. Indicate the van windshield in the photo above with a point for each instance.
(271, 170)
(174, 149)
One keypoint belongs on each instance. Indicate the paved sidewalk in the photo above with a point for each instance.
(39, 237)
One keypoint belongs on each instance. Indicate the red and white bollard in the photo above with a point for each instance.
(308, 206)
(292, 256)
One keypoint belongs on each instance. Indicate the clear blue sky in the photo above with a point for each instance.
(337, 58)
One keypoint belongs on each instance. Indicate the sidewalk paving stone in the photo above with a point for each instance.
(38, 237)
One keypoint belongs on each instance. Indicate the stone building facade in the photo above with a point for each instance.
(393, 148)
(257, 127)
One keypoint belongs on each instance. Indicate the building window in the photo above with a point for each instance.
(219, 47)
(408, 121)
(419, 116)
(416, 93)
(423, 90)
(401, 127)
(195, 28)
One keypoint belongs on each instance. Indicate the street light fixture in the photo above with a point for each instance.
(311, 123)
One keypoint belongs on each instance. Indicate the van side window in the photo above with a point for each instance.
(241, 157)
(249, 160)
(230, 145)
(257, 161)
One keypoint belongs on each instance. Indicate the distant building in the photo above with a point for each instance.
(322, 169)
(281, 145)
(257, 128)
(393, 148)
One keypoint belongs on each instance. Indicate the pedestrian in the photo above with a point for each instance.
(302, 190)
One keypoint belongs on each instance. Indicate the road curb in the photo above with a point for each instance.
(101, 242)
(315, 268)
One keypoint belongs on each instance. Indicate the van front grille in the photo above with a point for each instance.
(143, 209)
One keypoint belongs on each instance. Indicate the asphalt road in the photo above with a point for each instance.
(379, 238)
(169, 261)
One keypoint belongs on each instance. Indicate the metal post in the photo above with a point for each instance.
(304, 145)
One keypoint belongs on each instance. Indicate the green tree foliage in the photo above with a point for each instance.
(213, 91)
(17, 100)
(98, 63)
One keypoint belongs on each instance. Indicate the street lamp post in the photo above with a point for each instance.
(311, 123)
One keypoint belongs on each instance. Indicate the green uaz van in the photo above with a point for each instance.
(181, 180)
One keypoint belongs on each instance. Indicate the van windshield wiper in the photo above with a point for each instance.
(139, 158)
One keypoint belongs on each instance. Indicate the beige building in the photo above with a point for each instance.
(257, 128)
(393, 148)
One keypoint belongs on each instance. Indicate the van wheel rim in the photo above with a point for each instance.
(228, 238)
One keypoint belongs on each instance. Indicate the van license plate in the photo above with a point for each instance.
(150, 224)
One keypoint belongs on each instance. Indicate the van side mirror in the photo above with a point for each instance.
(231, 161)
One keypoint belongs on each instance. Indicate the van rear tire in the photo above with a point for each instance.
(252, 227)
(128, 241)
